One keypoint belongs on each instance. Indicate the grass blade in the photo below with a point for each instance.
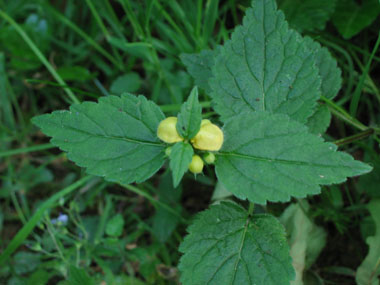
(37, 217)
(39, 54)
(358, 90)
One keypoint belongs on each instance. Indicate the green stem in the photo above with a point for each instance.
(358, 90)
(131, 16)
(355, 137)
(39, 54)
(26, 149)
(17, 207)
(342, 114)
(251, 208)
(97, 18)
(103, 220)
(37, 217)
(100, 22)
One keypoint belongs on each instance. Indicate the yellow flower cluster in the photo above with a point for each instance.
(209, 138)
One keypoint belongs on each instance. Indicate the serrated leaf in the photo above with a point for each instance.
(269, 157)
(190, 116)
(351, 18)
(307, 15)
(265, 67)
(331, 77)
(328, 69)
(180, 158)
(115, 226)
(227, 246)
(306, 239)
(199, 66)
(115, 138)
(319, 121)
(369, 271)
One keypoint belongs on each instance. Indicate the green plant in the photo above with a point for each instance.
(265, 85)
(250, 134)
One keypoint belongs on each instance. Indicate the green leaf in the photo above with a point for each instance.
(268, 157)
(331, 77)
(307, 15)
(306, 239)
(40, 277)
(125, 279)
(190, 117)
(22, 57)
(115, 138)
(74, 73)
(129, 82)
(25, 262)
(226, 245)
(328, 69)
(351, 18)
(137, 49)
(180, 158)
(369, 271)
(369, 184)
(199, 66)
(115, 226)
(79, 276)
(220, 192)
(319, 121)
(265, 67)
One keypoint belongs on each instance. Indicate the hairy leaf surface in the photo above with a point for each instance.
(180, 158)
(115, 138)
(331, 77)
(269, 157)
(199, 66)
(225, 245)
(265, 67)
(319, 121)
(328, 69)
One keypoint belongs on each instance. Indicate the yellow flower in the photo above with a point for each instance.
(210, 137)
(196, 164)
(167, 130)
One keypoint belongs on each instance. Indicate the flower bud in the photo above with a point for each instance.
(196, 164)
(209, 158)
(167, 130)
(168, 151)
(210, 137)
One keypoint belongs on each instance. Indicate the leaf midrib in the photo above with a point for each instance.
(157, 144)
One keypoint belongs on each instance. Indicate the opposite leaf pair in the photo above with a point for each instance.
(265, 85)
